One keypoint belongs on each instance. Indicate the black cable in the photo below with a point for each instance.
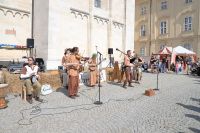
(38, 110)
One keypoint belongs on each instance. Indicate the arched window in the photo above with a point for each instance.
(188, 23)
(163, 27)
(142, 51)
(162, 46)
(188, 46)
(97, 3)
(142, 30)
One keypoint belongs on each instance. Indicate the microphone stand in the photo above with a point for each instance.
(157, 76)
(99, 81)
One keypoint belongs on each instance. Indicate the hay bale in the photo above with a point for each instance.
(15, 83)
(52, 79)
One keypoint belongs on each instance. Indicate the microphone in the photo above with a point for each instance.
(96, 47)
(117, 49)
(99, 52)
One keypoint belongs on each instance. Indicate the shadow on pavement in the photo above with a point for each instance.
(194, 130)
(195, 99)
(62, 90)
(193, 116)
(190, 107)
(115, 83)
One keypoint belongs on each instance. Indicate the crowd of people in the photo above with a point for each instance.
(182, 64)
(73, 64)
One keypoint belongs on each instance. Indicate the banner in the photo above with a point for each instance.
(12, 46)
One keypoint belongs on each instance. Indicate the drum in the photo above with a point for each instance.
(3, 103)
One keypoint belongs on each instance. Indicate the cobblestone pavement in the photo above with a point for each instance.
(174, 109)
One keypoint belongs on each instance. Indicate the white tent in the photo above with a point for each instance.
(179, 50)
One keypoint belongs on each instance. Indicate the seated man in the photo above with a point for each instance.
(30, 76)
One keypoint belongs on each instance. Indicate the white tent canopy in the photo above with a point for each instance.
(181, 50)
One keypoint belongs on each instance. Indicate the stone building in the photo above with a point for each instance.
(171, 23)
(15, 28)
(90, 25)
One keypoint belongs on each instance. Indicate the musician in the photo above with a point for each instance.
(65, 60)
(133, 60)
(137, 71)
(134, 54)
(73, 71)
(92, 63)
(128, 71)
(81, 58)
(122, 72)
(30, 76)
(152, 63)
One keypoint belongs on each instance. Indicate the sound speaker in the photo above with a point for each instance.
(110, 50)
(30, 43)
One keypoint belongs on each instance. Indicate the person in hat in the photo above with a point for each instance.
(92, 63)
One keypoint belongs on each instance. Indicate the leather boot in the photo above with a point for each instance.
(130, 85)
(38, 99)
(124, 86)
(29, 99)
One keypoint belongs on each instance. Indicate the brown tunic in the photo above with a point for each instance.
(73, 76)
(93, 72)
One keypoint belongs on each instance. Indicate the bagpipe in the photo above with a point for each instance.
(132, 58)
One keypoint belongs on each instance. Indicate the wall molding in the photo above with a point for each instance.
(118, 24)
(14, 11)
(80, 13)
(101, 19)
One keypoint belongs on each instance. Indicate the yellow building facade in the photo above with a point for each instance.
(171, 23)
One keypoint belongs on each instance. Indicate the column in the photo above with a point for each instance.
(109, 27)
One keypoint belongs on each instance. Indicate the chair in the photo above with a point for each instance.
(23, 91)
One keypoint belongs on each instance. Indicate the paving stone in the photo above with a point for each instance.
(174, 108)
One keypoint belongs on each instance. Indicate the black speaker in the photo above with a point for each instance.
(110, 50)
(30, 43)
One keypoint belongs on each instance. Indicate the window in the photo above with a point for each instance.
(143, 10)
(163, 5)
(142, 51)
(97, 3)
(188, 46)
(188, 23)
(188, 1)
(163, 27)
(162, 46)
(142, 30)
